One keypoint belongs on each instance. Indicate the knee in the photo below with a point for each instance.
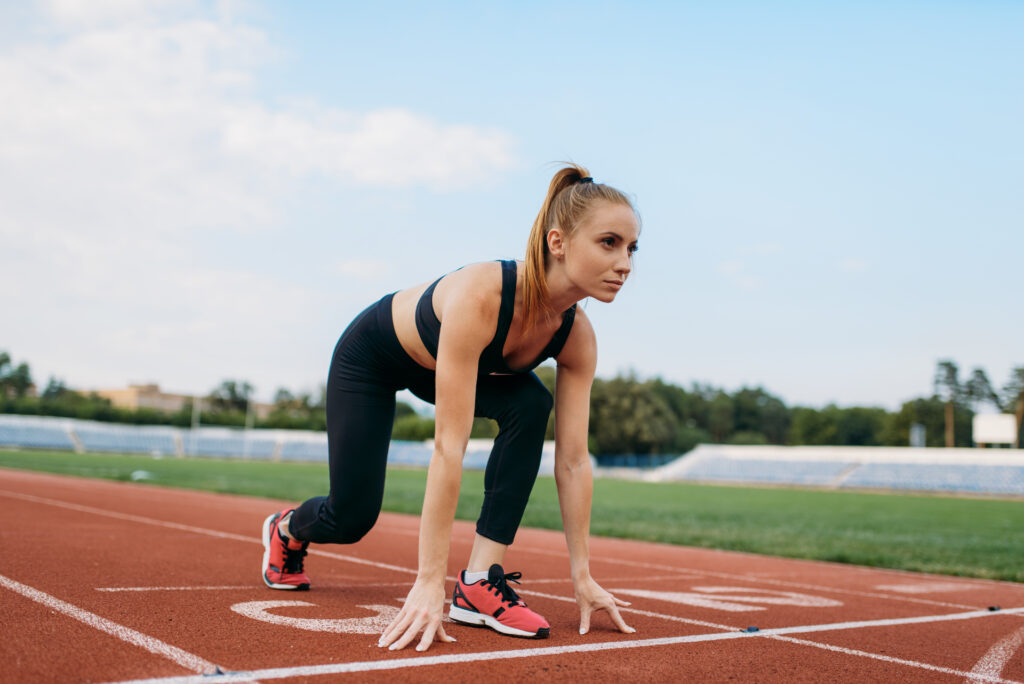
(539, 401)
(531, 404)
(349, 525)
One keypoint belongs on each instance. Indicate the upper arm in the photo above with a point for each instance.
(576, 365)
(467, 327)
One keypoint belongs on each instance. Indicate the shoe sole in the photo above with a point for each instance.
(475, 619)
(266, 560)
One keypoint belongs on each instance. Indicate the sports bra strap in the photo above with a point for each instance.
(494, 351)
(554, 347)
(427, 322)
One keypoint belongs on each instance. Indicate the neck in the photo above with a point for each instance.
(562, 293)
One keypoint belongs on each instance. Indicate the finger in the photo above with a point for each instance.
(428, 636)
(620, 602)
(619, 622)
(396, 627)
(584, 620)
(410, 634)
(444, 635)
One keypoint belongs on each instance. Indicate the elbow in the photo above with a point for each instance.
(572, 467)
(449, 449)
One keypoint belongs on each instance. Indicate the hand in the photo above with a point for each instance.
(591, 597)
(422, 611)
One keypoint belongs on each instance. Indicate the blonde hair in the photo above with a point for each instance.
(571, 194)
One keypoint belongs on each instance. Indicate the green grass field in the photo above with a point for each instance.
(949, 535)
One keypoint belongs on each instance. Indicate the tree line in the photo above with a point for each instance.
(628, 415)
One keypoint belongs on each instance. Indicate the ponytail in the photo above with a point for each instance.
(570, 194)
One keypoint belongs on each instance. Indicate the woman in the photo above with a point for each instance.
(467, 343)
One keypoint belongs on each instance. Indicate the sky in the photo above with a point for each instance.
(831, 193)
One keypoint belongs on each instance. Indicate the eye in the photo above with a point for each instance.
(633, 249)
(609, 241)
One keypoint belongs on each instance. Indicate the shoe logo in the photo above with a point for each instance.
(458, 596)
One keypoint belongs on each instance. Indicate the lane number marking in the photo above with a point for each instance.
(733, 599)
(372, 624)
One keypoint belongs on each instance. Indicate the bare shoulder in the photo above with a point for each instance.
(580, 350)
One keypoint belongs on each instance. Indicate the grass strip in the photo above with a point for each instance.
(940, 534)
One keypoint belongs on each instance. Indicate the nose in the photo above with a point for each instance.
(624, 265)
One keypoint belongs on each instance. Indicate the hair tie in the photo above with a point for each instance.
(586, 179)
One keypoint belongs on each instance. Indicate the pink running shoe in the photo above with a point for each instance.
(282, 557)
(493, 603)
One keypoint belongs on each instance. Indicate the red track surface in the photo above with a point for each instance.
(108, 581)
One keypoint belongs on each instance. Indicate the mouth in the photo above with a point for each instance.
(614, 284)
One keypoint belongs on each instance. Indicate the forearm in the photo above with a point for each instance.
(439, 502)
(575, 483)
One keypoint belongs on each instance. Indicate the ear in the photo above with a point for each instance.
(556, 243)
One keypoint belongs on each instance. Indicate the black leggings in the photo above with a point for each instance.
(368, 367)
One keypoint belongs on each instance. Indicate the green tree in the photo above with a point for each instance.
(231, 395)
(813, 427)
(720, 417)
(55, 389)
(758, 411)
(413, 428)
(747, 437)
(860, 426)
(931, 413)
(15, 381)
(1013, 399)
(627, 417)
(978, 390)
(948, 388)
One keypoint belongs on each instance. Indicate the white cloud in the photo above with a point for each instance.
(132, 137)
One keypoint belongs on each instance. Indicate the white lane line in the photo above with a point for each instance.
(190, 528)
(454, 659)
(182, 658)
(993, 662)
(971, 677)
(225, 588)
(927, 587)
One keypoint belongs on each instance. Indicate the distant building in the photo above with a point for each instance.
(149, 396)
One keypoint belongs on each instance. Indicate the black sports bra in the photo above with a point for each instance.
(491, 359)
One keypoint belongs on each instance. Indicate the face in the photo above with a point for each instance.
(598, 256)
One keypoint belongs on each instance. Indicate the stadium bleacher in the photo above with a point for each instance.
(976, 471)
(35, 435)
(749, 470)
(128, 439)
(992, 479)
(973, 471)
(229, 445)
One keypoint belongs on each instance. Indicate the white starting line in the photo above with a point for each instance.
(461, 658)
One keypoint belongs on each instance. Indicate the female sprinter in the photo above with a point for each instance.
(467, 343)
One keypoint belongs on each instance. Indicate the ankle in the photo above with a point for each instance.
(282, 527)
(472, 577)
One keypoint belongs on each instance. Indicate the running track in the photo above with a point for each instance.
(109, 582)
